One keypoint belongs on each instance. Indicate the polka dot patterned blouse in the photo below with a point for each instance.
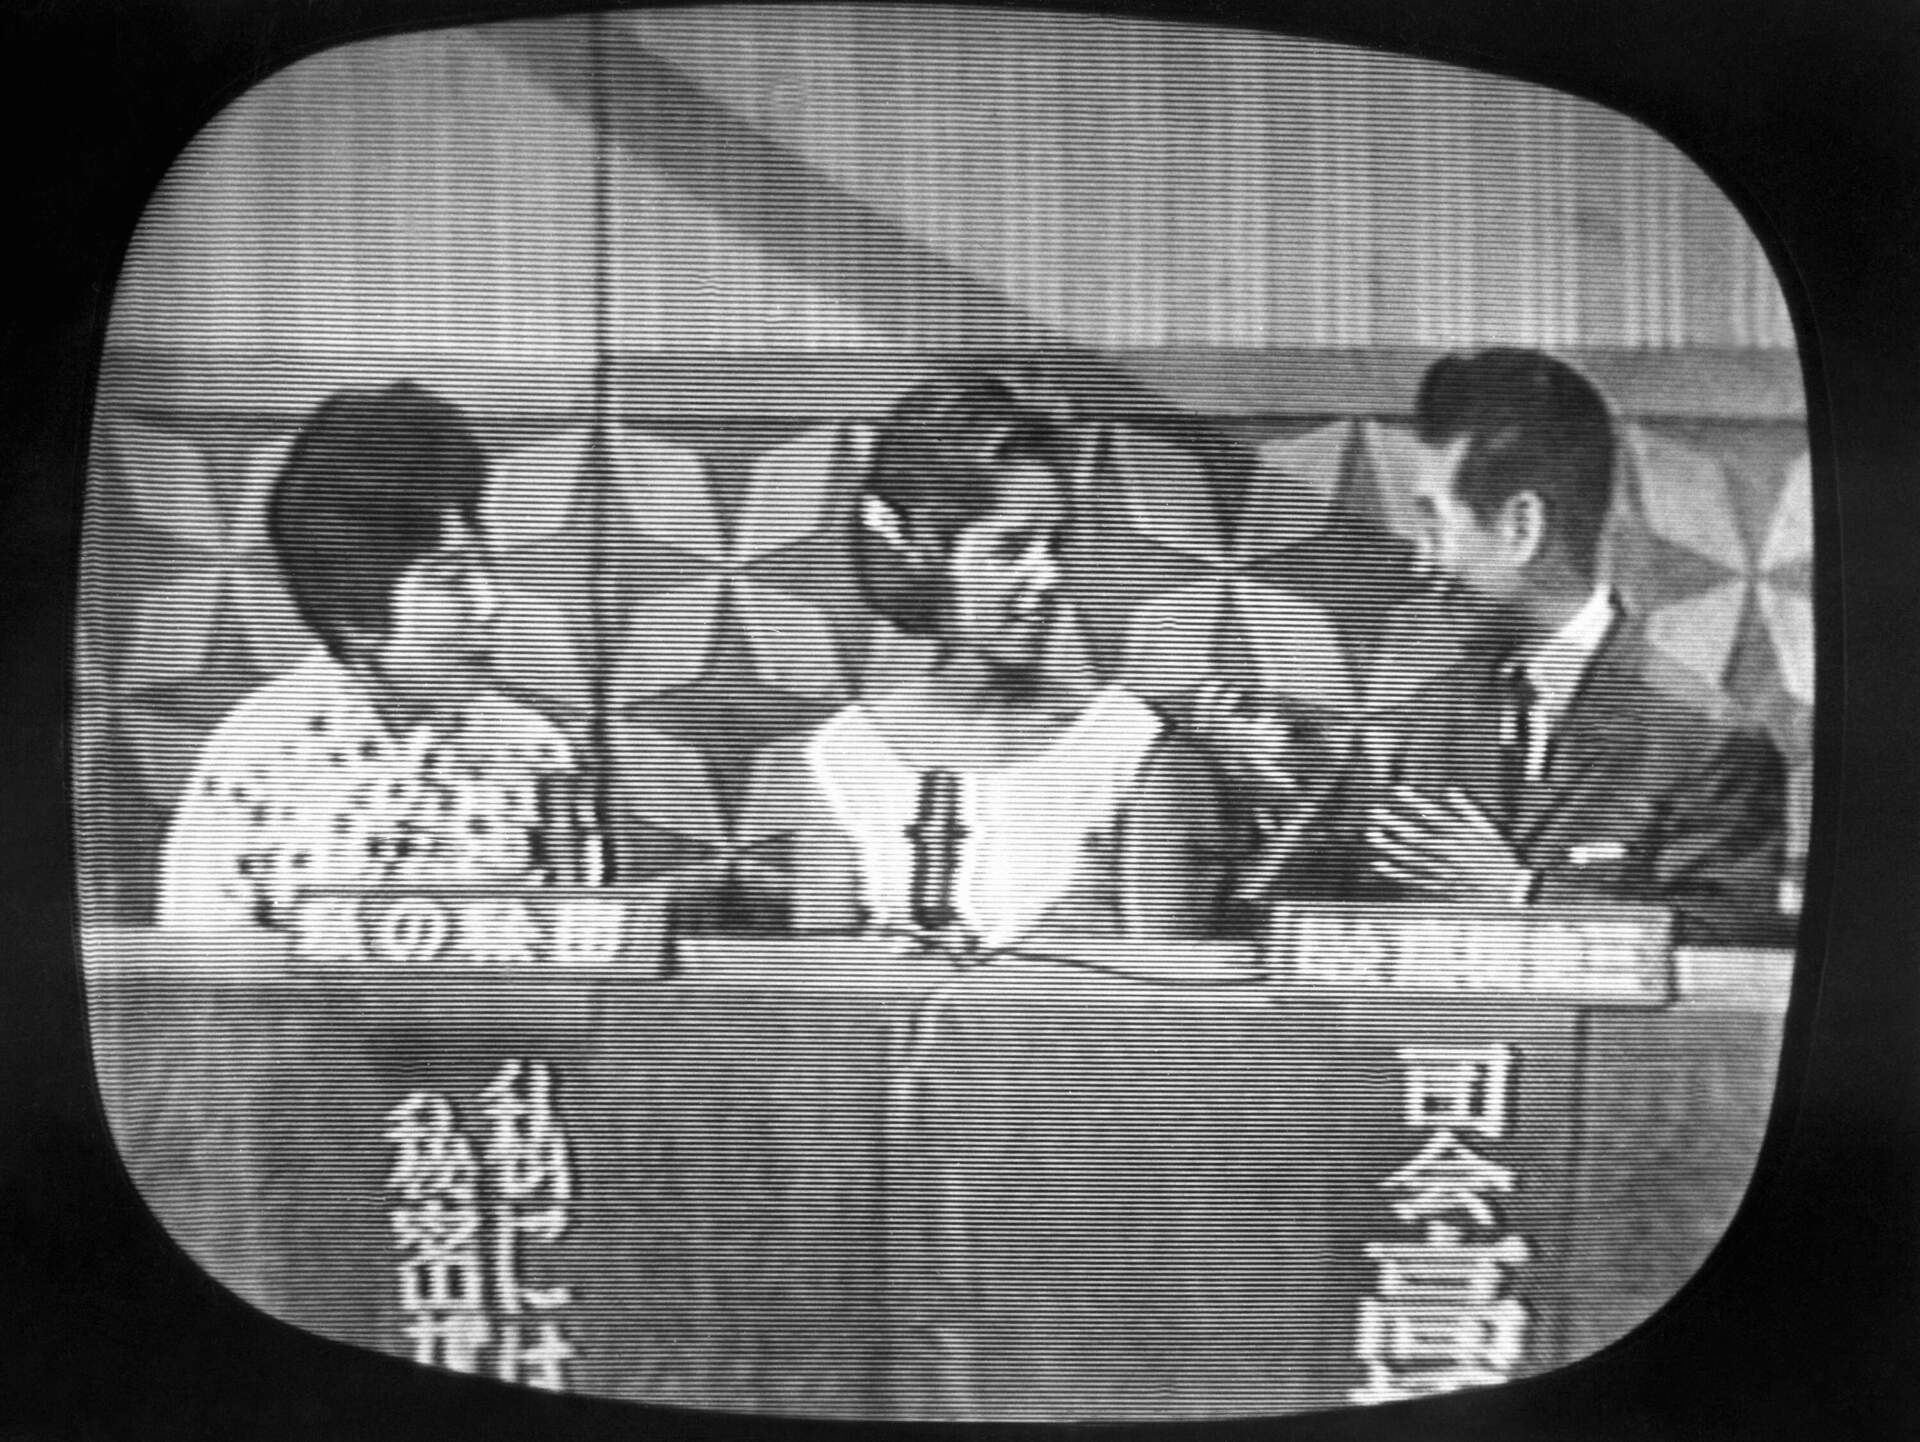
(304, 784)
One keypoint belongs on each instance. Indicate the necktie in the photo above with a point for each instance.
(1517, 720)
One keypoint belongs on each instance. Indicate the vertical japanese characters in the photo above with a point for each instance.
(465, 1222)
(1437, 1319)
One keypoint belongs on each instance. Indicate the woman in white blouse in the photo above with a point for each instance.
(389, 757)
(1059, 807)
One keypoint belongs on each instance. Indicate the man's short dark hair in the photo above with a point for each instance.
(1532, 423)
(362, 496)
(936, 466)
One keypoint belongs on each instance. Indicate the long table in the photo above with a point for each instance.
(826, 1178)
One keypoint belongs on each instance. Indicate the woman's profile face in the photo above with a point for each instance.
(436, 649)
(1004, 572)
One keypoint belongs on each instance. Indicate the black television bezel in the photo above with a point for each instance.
(1804, 1321)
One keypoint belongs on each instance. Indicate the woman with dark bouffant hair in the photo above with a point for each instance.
(389, 756)
(995, 797)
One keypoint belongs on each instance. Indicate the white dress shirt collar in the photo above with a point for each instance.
(1557, 667)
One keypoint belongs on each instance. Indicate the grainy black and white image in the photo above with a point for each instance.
(942, 714)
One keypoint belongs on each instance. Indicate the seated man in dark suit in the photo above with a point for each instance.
(1553, 763)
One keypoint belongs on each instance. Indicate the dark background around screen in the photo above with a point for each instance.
(1805, 1322)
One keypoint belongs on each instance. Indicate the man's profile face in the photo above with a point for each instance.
(1484, 558)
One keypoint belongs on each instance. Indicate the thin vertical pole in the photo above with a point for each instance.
(599, 473)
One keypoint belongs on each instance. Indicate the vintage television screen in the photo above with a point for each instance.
(864, 714)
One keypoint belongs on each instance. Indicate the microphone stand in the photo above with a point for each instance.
(937, 835)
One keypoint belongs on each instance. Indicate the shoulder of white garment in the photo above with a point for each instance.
(516, 733)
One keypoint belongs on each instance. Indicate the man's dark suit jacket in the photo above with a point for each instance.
(1647, 797)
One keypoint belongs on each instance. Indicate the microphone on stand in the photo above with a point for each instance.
(545, 848)
(936, 835)
(568, 844)
(589, 841)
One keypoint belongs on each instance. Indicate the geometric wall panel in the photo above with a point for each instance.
(1699, 631)
(1715, 545)
(704, 577)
